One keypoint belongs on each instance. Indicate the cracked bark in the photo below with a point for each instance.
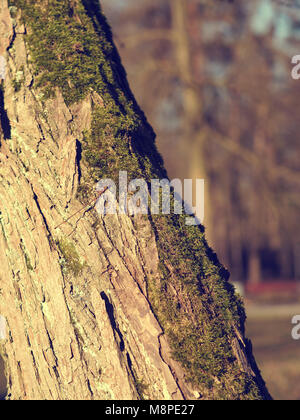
(62, 344)
(91, 336)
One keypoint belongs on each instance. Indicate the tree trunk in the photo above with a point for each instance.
(254, 269)
(193, 141)
(111, 307)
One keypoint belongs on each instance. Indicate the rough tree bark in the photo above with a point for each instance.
(112, 307)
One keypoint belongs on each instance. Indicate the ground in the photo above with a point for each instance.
(277, 354)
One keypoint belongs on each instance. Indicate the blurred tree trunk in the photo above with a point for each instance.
(254, 268)
(194, 137)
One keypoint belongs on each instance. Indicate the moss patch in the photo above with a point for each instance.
(70, 260)
(71, 49)
(19, 80)
(198, 310)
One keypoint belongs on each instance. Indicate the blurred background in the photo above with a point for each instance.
(214, 79)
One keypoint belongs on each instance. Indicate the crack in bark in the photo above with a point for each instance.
(149, 304)
(110, 312)
(4, 120)
(170, 368)
(12, 41)
(49, 236)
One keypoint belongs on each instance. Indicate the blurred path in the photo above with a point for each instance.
(272, 311)
(278, 356)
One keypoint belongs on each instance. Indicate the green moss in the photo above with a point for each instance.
(198, 308)
(16, 85)
(70, 260)
(61, 48)
(18, 81)
(71, 49)
(106, 148)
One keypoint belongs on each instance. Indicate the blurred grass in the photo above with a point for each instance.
(277, 354)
